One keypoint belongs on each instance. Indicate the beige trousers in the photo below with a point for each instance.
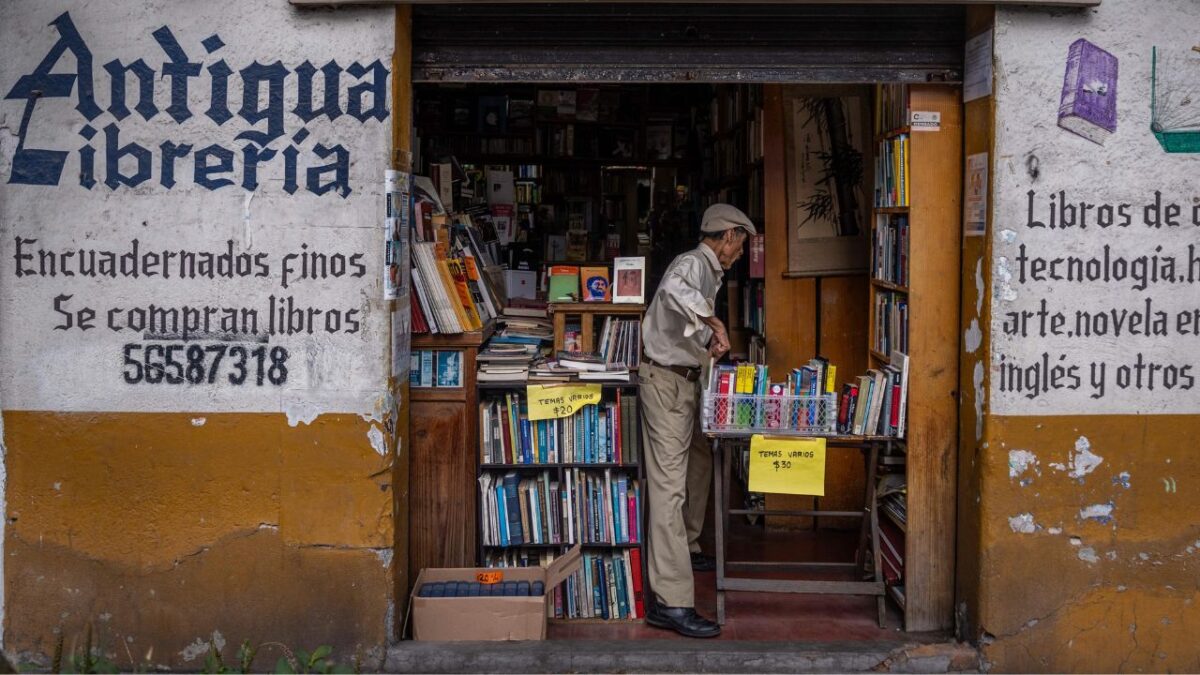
(679, 477)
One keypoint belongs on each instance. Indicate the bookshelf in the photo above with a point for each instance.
(586, 313)
(916, 243)
(442, 488)
(733, 174)
(560, 482)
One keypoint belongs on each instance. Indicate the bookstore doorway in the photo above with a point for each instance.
(587, 158)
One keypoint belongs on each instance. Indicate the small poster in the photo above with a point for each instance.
(396, 191)
(449, 369)
(975, 204)
(630, 276)
(792, 466)
(977, 78)
(547, 402)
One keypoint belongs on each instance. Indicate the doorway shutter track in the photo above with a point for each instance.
(687, 42)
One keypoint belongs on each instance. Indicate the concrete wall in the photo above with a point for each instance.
(1088, 483)
(183, 182)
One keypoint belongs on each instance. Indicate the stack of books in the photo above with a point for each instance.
(589, 366)
(606, 433)
(505, 362)
(876, 403)
(598, 507)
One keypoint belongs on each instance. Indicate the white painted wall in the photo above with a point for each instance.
(45, 368)
(1033, 153)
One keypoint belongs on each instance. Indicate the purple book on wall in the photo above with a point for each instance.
(1089, 96)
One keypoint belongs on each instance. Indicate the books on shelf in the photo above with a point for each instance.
(743, 397)
(606, 433)
(453, 292)
(891, 322)
(875, 404)
(891, 108)
(588, 593)
(889, 253)
(891, 172)
(621, 341)
(577, 506)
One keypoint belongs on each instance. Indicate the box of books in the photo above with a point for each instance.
(480, 603)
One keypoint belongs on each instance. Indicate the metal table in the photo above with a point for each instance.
(868, 540)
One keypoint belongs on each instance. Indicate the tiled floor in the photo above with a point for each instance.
(770, 616)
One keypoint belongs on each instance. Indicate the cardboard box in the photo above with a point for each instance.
(489, 617)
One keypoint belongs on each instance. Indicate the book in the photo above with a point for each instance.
(1089, 95)
(758, 256)
(564, 283)
(630, 274)
(900, 361)
(594, 283)
(581, 361)
(493, 114)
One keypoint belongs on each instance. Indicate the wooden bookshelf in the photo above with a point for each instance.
(934, 248)
(587, 313)
(558, 471)
(442, 487)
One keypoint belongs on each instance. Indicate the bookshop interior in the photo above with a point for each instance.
(543, 218)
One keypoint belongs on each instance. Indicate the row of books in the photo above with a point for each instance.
(743, 397)
(606, 433)
(891, 322)
(607, 585)
(753, 305)
(435, 368)
(585, 506)
(875, 404)
(889, 254)
(621, 342)
(453, 294)
(572, 283)
(527, 193)
(891, 172)
(891, 107)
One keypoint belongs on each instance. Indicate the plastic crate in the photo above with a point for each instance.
(814, 415)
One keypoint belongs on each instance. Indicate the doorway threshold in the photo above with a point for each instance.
(913, 655)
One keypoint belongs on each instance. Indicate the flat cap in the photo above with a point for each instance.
(721, 217)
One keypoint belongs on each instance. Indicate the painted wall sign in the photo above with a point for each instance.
(189, 214)
(1096, 288)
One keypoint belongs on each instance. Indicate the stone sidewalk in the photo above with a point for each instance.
(680, 656)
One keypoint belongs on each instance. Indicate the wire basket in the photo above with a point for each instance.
(813, 415)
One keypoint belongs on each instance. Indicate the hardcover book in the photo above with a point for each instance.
(595, 284)
(564, 284)
(1089, 95)
(630, 274)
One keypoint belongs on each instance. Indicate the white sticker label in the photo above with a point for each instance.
(923, 120)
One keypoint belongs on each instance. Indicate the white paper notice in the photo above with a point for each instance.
(975, 204)
(977, 80)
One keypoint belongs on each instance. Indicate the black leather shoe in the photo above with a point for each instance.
(703, 563)
(682, 620)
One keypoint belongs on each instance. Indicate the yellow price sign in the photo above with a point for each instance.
(793, 466)
(547, 402)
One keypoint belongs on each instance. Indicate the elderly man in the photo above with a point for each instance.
(679, 334)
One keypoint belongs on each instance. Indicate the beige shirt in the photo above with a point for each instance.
(672, 332)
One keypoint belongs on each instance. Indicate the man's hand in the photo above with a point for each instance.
(719, 344)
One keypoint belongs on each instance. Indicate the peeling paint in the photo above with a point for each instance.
(301, 412)
(384, 554)
(1088, 555)
(1055, 530)
(375, 435)
(1002, 285)
(1081, 462)
(973, 337)
(977, 381)
(1023, 523)
(1020, 461)
(1008, 236)
(978, 286)
(1101, 513)
(1076, 541)
(199, 421)
(1122, 479)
